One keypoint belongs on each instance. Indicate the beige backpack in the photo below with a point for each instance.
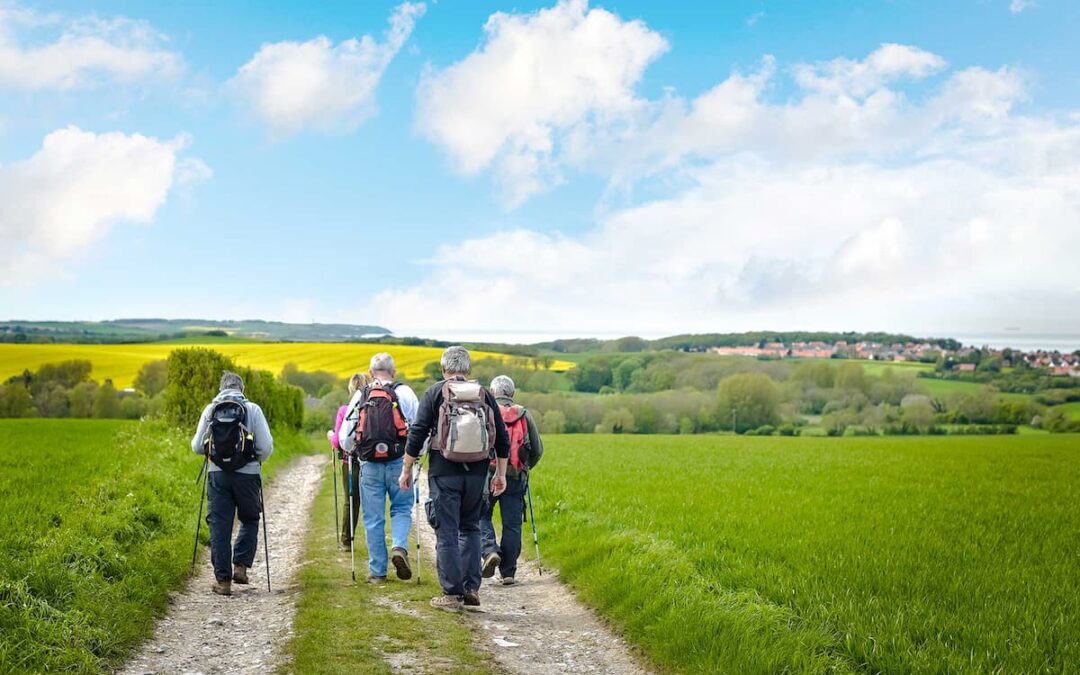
(466, 429)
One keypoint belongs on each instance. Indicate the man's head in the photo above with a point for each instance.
(230, 380)
(455, 362)
(503, 387)
(382, 366)
(357, 382)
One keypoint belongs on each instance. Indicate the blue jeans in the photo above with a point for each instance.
(232, 496)
(511, 510)
(378, 482)
(455, 503)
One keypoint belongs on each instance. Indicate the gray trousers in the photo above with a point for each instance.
(233, 496)
(454, 514)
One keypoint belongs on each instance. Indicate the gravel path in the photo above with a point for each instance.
(538, 626)
(207, 633)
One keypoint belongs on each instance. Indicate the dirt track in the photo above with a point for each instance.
(207, 633)
(538, 626)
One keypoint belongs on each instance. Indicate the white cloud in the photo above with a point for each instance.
(82, 52)
(1017, 6)
(316, 84)
(852, 204)
(73, 190)
(537, 80)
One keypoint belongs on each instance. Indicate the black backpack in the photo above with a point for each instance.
(381, 430)
(232, 445)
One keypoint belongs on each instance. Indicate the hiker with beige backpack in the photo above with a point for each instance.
(466, 431)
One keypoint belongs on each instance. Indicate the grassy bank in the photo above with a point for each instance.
(342, 627)
(98, 527)
(805, 555)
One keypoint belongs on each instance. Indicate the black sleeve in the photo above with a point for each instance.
(502, 438)
(427, 416)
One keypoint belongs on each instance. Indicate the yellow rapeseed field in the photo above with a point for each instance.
(121, 363)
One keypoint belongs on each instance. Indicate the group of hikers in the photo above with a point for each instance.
(480, 444)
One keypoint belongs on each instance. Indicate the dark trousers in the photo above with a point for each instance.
(232, 496)
(511, 511)
(346, 532)
(455, 503)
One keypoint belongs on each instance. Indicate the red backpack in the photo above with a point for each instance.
(517, 427)
(381, 430)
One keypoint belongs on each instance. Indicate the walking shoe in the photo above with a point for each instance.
(471, 601)
(491, 562)
(222, 587)
(377, 581)
(447, 603)
(400, 558)
(510, 581)
(239, 574)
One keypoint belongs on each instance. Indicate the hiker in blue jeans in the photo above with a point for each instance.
(375, 430)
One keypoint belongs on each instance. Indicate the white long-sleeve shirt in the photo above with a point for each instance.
(408, 403)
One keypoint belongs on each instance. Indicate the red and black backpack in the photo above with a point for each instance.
(381, 429)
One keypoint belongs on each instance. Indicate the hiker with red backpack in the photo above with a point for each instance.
(235, 437)
(374, 433)
(466, 431)
(526, 449)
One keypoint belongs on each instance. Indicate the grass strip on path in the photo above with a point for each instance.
(342, 627)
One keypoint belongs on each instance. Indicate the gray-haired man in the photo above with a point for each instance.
(379, 475)
(234, 495)
(526, 449)
(457, 488)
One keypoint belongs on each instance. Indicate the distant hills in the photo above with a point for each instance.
(152, 330)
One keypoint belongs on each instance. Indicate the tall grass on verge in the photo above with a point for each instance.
(98, 520)
(765, 555)
(342, 627)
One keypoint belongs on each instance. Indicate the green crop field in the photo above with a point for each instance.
(121, 363)
(765, 555)
(98, 519)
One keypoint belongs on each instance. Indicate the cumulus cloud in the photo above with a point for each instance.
(81, 52)
(316, 84)
(516, 103)
(1017, 6)
(855, 203)
(79, 185)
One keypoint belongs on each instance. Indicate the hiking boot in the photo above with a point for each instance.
(222, 587)
(239, 574)
(376, 581)
(510, 581)
(447, 603)
(400, 558)
(491, 563)
(471, 601)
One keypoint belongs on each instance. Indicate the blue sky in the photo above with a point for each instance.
(616, 167)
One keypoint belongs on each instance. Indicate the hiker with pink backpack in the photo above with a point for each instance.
(526, 449)
(466, 430)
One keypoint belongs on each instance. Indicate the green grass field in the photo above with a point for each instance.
(98, 519)
(1071, 410)
(121, 363)
(721, 554)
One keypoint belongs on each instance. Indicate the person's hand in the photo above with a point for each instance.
(330, 435)
(405, 480)
(498, 485)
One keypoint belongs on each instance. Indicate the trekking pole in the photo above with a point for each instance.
(198, 519)
(352, 525)
(333, 476)
(532, 517)
(266, 541)
(419, 509)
